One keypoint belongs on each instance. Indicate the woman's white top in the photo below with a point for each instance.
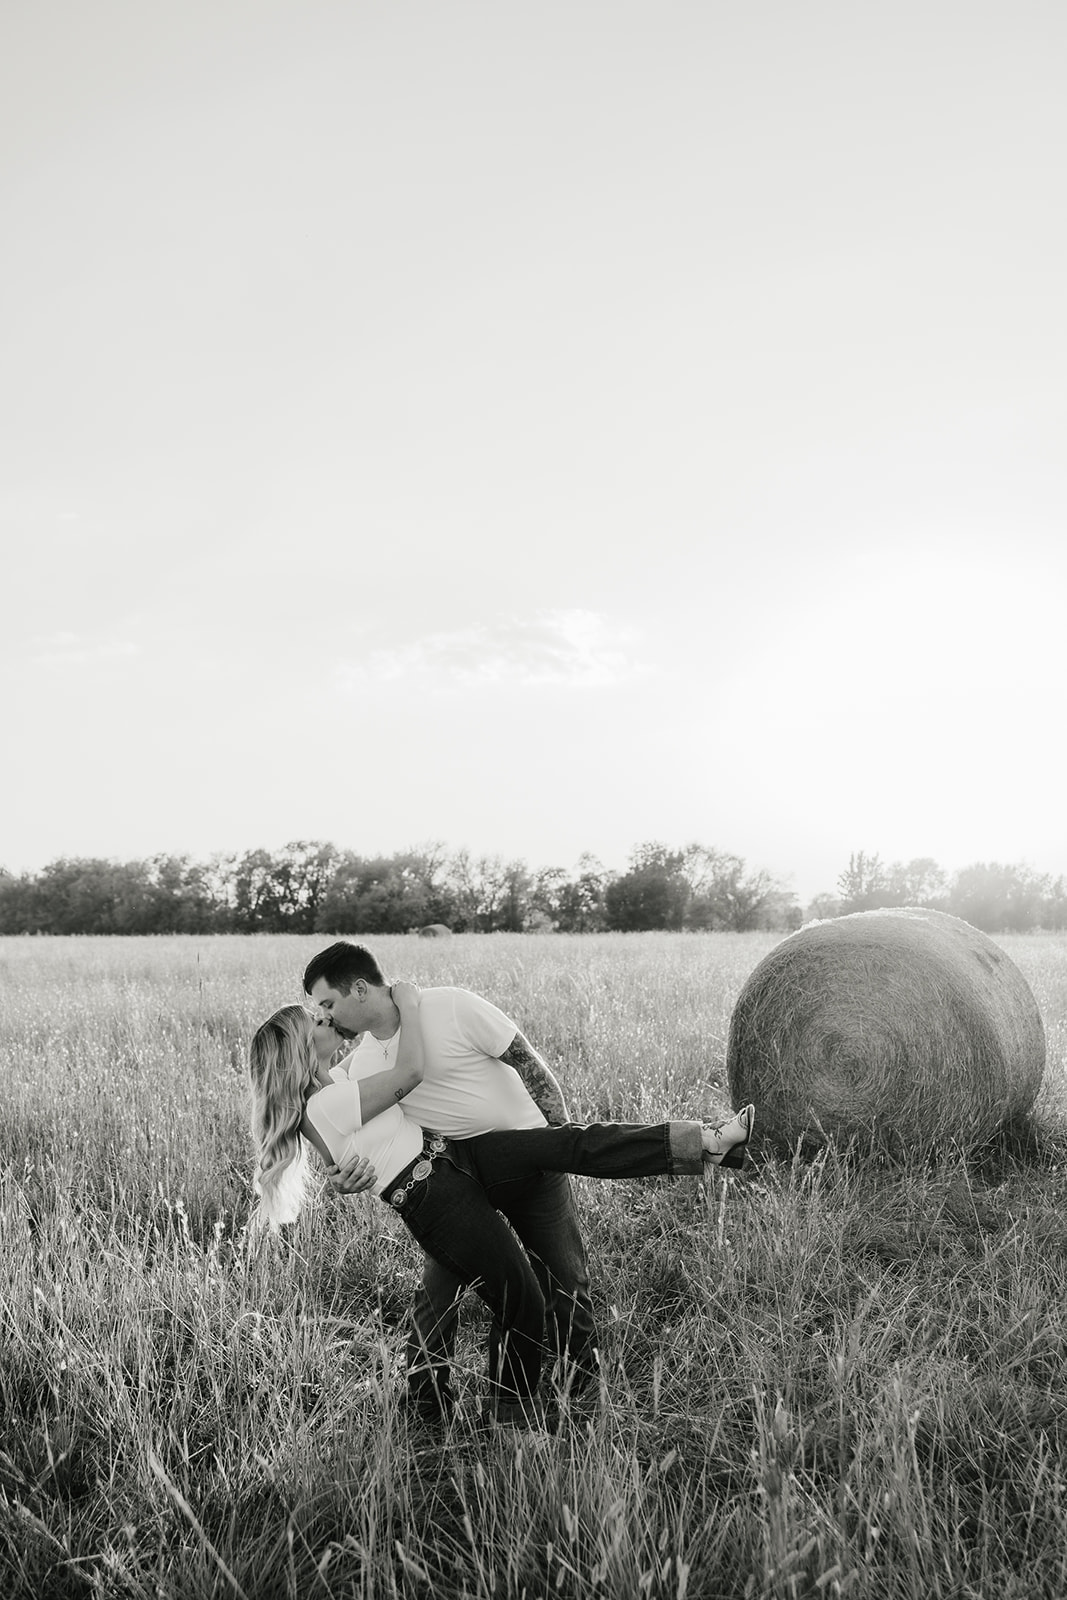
(390, 1141)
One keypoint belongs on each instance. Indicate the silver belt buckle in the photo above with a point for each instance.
(422, 1169)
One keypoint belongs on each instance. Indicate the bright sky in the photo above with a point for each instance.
(536, 427)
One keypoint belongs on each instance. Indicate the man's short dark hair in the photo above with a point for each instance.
(341, 965)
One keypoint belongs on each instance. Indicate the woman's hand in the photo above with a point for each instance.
(326, 1041)
(355, 1177)
(405, 994)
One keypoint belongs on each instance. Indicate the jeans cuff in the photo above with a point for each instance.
(685, 1148)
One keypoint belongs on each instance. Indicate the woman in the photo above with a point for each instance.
(438, 1185)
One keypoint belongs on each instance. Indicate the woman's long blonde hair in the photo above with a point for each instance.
(279, 1064)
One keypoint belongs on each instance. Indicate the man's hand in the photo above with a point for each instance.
(355, 1177)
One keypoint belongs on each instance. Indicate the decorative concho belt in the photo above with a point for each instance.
(419, 1170)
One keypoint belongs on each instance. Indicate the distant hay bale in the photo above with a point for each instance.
(434, 930)
(902, 1029)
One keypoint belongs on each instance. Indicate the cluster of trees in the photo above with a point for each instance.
(1001, 898)
(312, 887)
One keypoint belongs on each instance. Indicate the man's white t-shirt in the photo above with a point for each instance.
(466, 1089)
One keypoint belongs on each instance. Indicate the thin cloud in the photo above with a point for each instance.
(552, 649)
(78, 650)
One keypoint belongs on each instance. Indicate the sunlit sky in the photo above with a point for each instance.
(535, 427)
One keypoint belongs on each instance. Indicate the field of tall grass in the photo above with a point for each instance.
(839, 1378)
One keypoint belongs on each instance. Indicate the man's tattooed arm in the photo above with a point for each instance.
(541, 1086)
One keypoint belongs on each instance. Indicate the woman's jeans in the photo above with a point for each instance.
(452, 1217)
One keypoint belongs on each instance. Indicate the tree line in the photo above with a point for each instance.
(308, 886)
(998, 897)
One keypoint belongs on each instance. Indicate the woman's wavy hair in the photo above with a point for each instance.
(280, 1069)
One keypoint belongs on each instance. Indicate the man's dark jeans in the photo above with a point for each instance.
(467, 1241)
(541, 1210)
(521, 1175)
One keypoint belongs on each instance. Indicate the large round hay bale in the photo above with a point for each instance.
(434, 930)
(904, 1029)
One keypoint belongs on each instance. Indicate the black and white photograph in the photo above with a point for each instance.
(533, 862)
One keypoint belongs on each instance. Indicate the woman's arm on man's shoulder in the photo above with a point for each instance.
(385, 1089)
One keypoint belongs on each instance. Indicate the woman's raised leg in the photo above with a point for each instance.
(610, 1149)
(601, 1150)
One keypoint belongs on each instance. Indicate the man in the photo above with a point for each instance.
(480, 1075)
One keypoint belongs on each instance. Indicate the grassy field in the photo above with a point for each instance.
(834, 1379)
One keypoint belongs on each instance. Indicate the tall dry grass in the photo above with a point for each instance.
(835, 1379)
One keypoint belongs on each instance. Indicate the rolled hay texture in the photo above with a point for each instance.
(902, 1029)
